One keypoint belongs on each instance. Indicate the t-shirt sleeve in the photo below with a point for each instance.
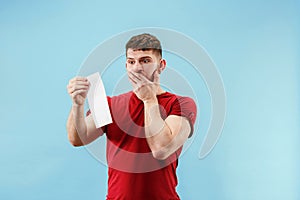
(185, 107)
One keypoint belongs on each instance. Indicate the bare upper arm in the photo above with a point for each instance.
(179, 126)
(180, 129)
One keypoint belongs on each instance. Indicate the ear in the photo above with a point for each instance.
(162, 65)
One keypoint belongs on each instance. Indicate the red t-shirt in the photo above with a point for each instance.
(134, 174)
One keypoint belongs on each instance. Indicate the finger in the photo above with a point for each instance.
(143, 80)
(133, 77)
(78, 78)
(79, 92)
(74, 82)
(77, 87)
(131, 80)
(143, 77)
(134, 84)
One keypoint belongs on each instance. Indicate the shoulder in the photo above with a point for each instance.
(122, 99)
(186, 103)
(174, 98)
(183, 106)
(121, 96)
(184, 100)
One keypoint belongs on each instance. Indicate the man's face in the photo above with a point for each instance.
(144, 62)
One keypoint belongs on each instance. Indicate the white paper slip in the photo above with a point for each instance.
(97, 101)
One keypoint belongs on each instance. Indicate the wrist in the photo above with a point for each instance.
(77, 106)
(151, 101)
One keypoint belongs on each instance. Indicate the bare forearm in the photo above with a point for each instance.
(76, 125)
(157, 131)
(164, 137)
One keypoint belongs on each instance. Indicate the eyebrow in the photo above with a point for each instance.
(128, 58)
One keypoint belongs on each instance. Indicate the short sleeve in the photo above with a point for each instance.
(185, 107)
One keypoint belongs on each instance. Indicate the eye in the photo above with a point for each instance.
(146, 60)
(130, 62)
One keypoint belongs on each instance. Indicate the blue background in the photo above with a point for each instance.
(255, 46)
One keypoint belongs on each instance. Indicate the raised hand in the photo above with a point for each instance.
(144, 89)
(78, 88)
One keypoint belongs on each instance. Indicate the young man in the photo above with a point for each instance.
(148, 131)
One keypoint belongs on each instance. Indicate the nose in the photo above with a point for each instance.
(137, 67)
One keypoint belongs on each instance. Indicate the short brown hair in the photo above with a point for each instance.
(144, 42)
